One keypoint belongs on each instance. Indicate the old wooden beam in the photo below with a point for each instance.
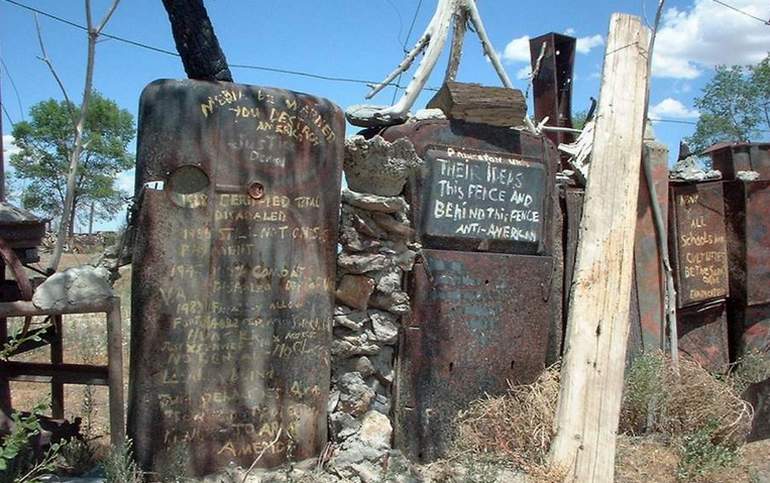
(196, 41)
(497, 106)
(598, 320)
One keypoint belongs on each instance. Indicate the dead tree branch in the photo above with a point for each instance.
(432, 42)
(196, 41)
(69, 201)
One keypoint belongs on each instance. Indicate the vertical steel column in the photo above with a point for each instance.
(57, 357)
(552, 82)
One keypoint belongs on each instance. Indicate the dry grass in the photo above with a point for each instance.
(692, 424)
(516, 427)
(656, 400)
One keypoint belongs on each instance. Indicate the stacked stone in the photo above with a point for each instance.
(378, 249)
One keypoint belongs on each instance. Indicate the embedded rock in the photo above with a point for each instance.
(355, 395)
(74, 286)
(355, 290)
(377, 166)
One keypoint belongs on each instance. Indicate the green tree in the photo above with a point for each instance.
(734, 106)
(46, 142)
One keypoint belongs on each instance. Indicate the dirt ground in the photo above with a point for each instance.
(647, 460)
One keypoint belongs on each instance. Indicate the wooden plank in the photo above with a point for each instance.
(24, 308)
(115, 376)
(597, 327)
(64, 373)
(497, 106)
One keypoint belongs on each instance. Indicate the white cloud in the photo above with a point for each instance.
(9, 147)
(569, 31)
(524, 73)
(708, 34)
(587, 44)
(517, 50)
(125, 181)
(671, 108)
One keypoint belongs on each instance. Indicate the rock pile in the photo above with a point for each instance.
(378, 248)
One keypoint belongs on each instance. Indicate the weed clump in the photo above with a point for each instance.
(120, 467)
(516, 427)
(752, 367)
(657, 400)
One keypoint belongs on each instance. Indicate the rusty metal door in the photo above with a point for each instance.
(703, 335)
(486, 289)
(475, 326)
(233, 274)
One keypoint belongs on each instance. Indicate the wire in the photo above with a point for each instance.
(731, 7)
(692, 123)
(13, 85)
(175, 54)
(406, 42)
(8, 116)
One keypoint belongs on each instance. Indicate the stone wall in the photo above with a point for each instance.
(377, 250)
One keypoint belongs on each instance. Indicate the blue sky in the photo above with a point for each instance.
(364, 40)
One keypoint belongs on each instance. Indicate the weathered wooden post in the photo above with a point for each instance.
(234, 270)
(597, 328)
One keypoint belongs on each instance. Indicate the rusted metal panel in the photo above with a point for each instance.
(729, 158)
(703, 335)
(474, 327)
(233, 274)
(698, 242)
(573, 209)
(483, 188)
(758, 242)
(748, 224)
(749, 329)
(552, 84)
(649, 274)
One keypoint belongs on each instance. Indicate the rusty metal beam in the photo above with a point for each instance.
(45, 372)
(59, 374)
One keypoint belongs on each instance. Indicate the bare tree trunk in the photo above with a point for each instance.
(196, 41)
(91, 219)
(68, 213)
(71, 229)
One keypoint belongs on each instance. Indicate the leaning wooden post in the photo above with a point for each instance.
(597, 327)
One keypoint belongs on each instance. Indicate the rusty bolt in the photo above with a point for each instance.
(256, 190)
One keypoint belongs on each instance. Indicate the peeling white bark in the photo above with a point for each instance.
(432, 42)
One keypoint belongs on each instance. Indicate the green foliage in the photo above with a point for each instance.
(734, 106)
(700, 455)
(644, 392)
(750, 368)
(120, 467)
(17, 340)
(76, 457)
(46, 142)
(17, 460)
